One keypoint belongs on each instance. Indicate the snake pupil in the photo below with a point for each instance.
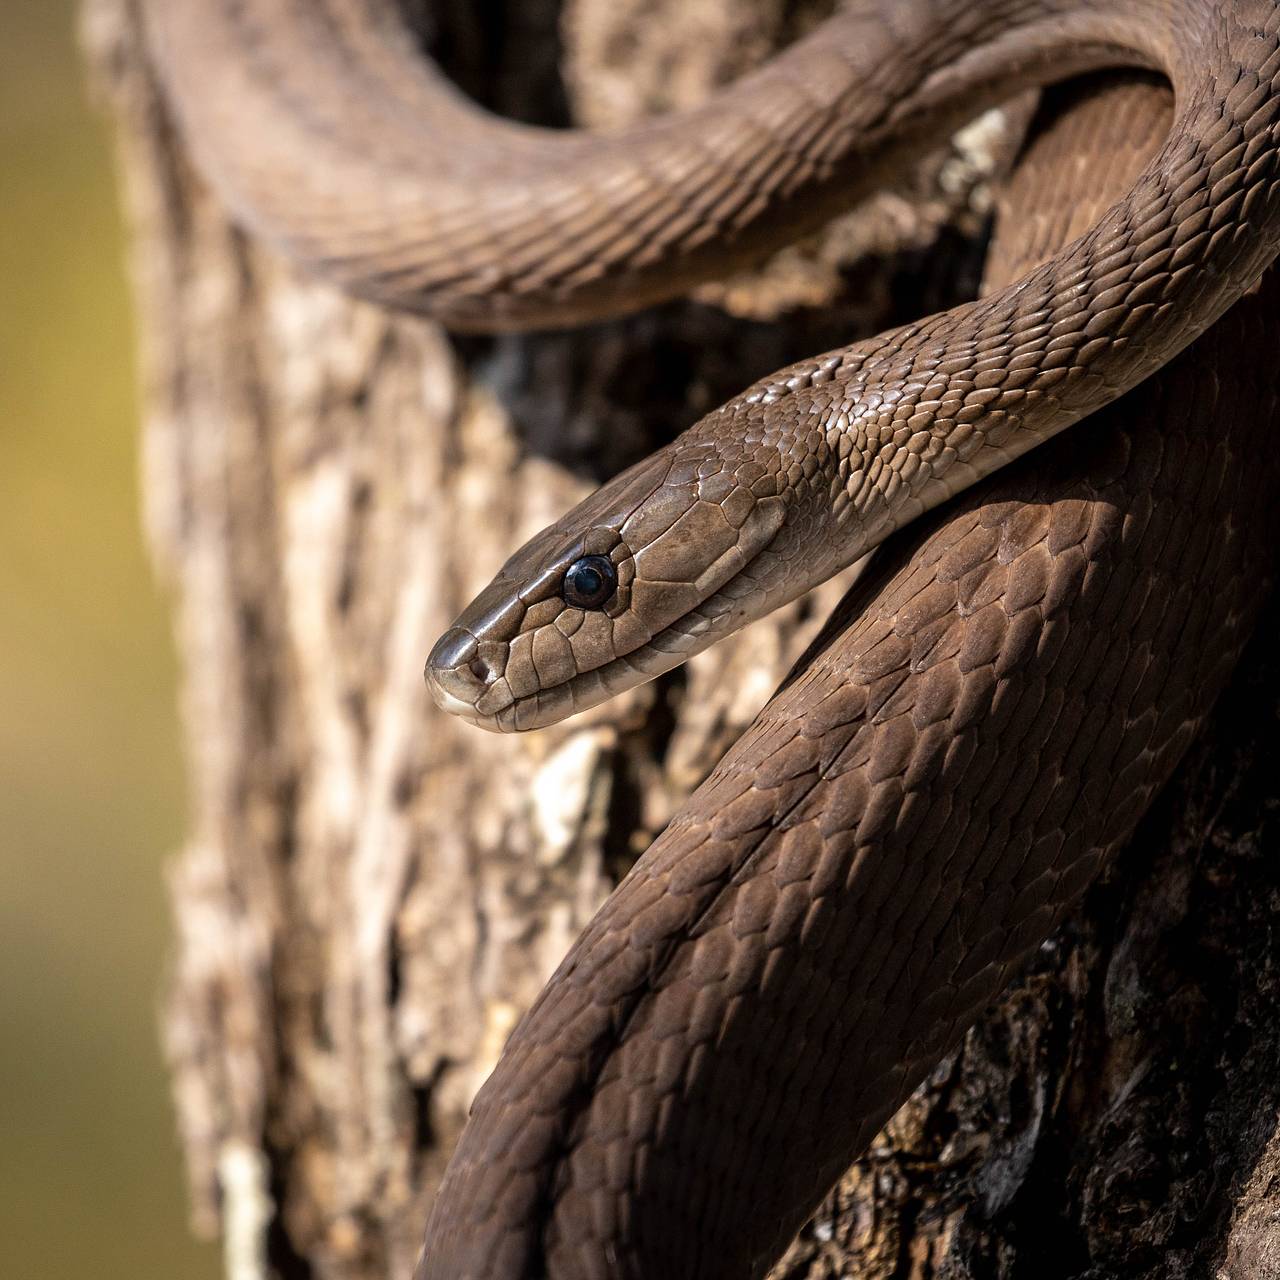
(589, 582)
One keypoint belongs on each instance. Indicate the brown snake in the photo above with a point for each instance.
(944, 772)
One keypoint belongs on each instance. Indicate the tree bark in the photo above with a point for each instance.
(371, 893)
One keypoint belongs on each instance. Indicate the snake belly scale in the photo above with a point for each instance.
(915, 810)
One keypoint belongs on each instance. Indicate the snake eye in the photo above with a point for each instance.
(589, 582)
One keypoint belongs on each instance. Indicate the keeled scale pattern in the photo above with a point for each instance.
(907, 819)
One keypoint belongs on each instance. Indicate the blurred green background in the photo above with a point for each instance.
(91, 799)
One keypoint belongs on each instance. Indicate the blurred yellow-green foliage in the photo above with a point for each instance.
(90, 782)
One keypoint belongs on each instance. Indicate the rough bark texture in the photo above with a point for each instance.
(371, 893)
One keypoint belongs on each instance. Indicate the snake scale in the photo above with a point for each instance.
(995, 703)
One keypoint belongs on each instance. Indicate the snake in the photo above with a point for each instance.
(989, 712)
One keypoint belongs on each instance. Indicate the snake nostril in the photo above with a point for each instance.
(452, 650)
(456, 674)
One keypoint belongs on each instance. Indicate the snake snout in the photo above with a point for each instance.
(456, 674)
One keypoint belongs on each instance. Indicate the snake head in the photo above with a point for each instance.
(651, 568)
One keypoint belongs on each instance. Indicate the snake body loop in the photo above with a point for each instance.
(944, 772)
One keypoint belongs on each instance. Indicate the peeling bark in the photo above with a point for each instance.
(371, 893)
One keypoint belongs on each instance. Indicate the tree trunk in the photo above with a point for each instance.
(371, 893)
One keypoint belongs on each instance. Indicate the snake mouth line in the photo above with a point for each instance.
(588, 689)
